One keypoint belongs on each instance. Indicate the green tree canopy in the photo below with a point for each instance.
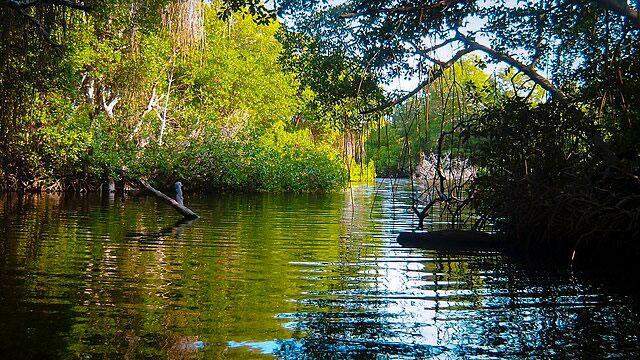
(557, 44)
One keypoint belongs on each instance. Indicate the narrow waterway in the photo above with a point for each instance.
(287, 276)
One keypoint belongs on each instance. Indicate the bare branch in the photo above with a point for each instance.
(528, 70)
(433, 76)
(439, 5)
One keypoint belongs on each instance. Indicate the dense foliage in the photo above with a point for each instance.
(561, 170)
(550, 187)
(138, 96)
(336, 88)
(170, 91)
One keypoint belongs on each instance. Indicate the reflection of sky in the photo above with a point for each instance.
(411, 303)
(412, 308)
(295, 276)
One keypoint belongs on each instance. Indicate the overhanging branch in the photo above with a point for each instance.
(622, 8)
(528, 70)
(471, 46)
(433, 76)
(437, 6)
(23, 9)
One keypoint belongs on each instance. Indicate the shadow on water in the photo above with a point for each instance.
(154, 237)
(286, 276)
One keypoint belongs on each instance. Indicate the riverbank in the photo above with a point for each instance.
(276, 160)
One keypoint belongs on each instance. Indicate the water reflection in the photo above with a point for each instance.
(305, 276)
(156, 237)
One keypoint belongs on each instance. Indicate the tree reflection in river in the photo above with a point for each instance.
(292, 276)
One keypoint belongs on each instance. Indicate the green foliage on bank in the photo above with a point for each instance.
(213, 110)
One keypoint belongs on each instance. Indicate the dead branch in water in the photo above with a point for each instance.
(185, 211)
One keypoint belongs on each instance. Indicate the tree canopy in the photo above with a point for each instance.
(554, 43)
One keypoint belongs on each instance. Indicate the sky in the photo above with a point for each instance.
(444, 53)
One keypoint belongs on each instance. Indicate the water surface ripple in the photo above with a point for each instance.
(287, 276)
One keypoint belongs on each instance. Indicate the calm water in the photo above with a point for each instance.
(302, 276)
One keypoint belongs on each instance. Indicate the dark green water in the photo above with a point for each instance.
(301, 276)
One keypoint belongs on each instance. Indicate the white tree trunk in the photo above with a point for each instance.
(163, 116)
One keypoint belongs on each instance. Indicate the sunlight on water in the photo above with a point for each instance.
(288, 276)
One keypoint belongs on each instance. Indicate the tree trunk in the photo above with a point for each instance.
(163, 116)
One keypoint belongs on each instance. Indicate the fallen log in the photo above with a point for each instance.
(179, 206)
(449, 240)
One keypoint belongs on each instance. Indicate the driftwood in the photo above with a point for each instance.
(178, 205)
(449, 240)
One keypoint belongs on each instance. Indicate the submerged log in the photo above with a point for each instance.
(449, 240)
(179, 206)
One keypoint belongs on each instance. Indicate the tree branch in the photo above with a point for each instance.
(26, 4)
(44, 33)
(439, 5)
(622, 8)
(433, 76)
(528, 70)
(425, 52)
(21, 7)
(470, 46)
(185, 211)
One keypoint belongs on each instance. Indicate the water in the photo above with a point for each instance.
(288, 276)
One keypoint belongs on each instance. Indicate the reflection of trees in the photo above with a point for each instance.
(524, 312)
(482, 306)
(132, 284)
(24, 326)
(344, 316)
(156, 237)
(119, 279)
